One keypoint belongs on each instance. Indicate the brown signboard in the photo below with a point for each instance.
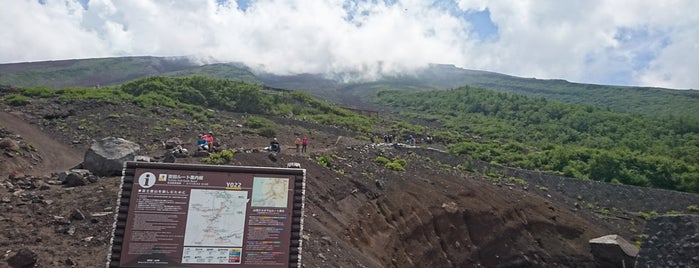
(179, 215)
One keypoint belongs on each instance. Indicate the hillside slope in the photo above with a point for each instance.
(358, 214)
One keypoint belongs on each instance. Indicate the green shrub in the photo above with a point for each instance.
(401, 162)
(256, 122)
(16, 99)
(40, 91)
(219, 158)
(693, 208)
(649, 215)
(324, 161)
(382, 160)
(395, 166)
(268, 132)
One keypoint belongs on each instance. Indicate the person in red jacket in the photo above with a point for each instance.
(209, 137)
(304, 143)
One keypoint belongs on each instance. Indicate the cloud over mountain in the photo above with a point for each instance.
(628, 42)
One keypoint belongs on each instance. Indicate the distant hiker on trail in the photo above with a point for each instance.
(274, 146)
(209, 137)
(202, 144)
(298, 144)
(304, 143)
(411, 140)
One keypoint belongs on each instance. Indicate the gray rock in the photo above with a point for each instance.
(23, 258)
(74, 179)
(106, 157)
(142, 158)
(169, 158)
(173, 142)
(613, 251)
(77, 214)
(6, 143)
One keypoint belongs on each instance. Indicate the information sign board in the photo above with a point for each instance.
(182, 215)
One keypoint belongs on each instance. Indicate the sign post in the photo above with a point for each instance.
(182, 215)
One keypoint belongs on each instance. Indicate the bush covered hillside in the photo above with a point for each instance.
(199, 96)
(574, 140)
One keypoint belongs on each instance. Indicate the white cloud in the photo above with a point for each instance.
(579, 41)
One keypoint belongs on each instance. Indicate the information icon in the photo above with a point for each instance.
(146, 180)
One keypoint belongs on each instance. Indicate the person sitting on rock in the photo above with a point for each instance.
(274, 146)
(202, 143)
(209, 137)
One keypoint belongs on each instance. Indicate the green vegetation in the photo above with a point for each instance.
(648, 215)
(693, 208)
(219, 158)
(16, 99)
(396, 164)
(256, 122)
(517, 181)
(569, 139)
(382, 160)
(324, 161)
(199, 96)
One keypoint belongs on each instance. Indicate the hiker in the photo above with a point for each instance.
(202, 144)
(411, 140)
(209, 137)
(274, 146)
(304, 143)
(298, 144)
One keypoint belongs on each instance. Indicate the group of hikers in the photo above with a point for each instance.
(301, 145)
(205, 142)
(389, 138)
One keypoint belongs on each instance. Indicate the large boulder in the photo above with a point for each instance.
(106, 157)
(613, 251)
(173, 142)
(7, 143)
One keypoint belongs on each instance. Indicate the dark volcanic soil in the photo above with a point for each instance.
(358, 213)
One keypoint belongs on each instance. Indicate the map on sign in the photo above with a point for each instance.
(270, 192)
(216, 218)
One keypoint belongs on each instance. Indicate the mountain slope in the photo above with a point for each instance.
(651, 102)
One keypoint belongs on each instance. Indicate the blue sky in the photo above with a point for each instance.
(621, 42)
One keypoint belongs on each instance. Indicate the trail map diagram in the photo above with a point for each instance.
(216, 218)
(270, 192)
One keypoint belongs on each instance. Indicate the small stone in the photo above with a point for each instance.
(70, 230)
(70, 262)
(77, 214)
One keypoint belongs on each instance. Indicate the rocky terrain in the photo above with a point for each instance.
(442, 211)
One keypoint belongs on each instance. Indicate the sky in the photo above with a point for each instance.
(615, 42)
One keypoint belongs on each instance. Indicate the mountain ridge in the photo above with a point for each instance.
(646, 101)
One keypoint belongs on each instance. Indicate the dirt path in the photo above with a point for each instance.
(55, 156)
